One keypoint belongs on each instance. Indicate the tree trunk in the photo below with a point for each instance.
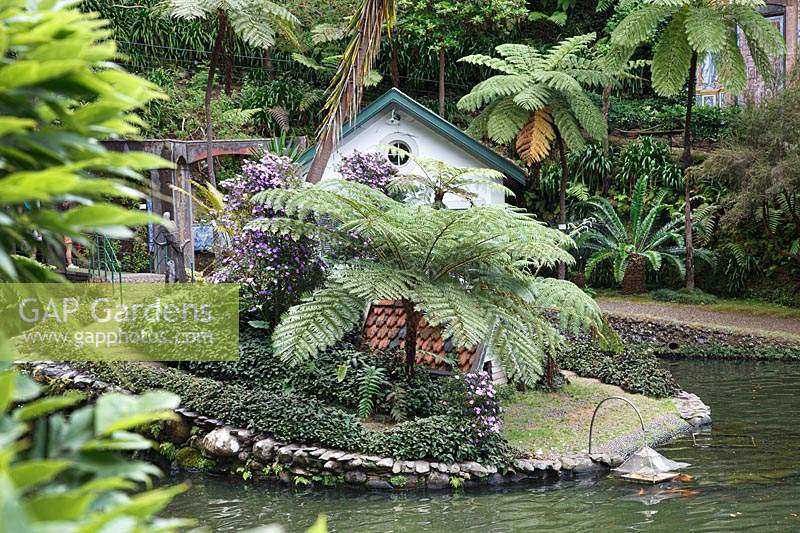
(394, 63)
(219, 44)
(635, 279)
(266, 60)
(562, 197)
(438, 199)
(412, 325)
(441, 82)
(686, 162)
(534, 179)
(606, 106)
(227, 59)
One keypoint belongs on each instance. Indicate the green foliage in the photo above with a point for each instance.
(398, 480)
(50, 152)
(292, 417)
(371, 381)
(536, 94)
(635, 369)
(709, 123)
(652, 160)
(438, 179)
(611, 240)
(684, 296)
(700, 27)
(466, 271)
(333, 378)
(61, 471)
(758, 168)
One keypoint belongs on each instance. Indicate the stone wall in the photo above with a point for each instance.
(197, 442)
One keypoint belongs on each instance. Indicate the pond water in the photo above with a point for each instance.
(733, 488)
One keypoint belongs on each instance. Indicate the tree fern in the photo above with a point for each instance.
(469, 272)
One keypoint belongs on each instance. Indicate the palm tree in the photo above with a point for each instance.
(693, 29)
(347, 85)
(471, 272)
(632, 247)
(539, 99)
(257, 22)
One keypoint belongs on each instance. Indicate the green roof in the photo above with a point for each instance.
(439, 125)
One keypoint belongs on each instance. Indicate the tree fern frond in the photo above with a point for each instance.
(491, 62)
(506, 120)
(316, 324)
(640, 24)
(589, 116)
(731, 68)
(325, 33)
(672, 58)
(536, 138)
(706, 31)
(567, 48)
(567, 126)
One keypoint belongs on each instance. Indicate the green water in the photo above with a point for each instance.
(733, 488)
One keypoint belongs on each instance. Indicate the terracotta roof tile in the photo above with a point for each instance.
(384, 328)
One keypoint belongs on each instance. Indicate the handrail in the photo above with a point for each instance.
(641, 420)
(104, 262)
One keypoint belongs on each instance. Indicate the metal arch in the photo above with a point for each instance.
(641, 420)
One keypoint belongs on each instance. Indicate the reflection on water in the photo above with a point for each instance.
(732, 488)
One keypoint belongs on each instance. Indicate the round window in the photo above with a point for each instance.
(397, 158)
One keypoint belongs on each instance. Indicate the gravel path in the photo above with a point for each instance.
(697, 316)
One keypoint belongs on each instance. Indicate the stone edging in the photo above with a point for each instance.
(215, 446)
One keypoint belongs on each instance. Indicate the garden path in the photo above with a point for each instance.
(743, 322)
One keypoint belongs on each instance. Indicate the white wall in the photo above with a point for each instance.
(422, 140)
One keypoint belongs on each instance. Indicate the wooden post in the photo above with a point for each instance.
(182, 209)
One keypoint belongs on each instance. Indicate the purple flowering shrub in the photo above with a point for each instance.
(273, 270)
(481, 407)
(371, 169)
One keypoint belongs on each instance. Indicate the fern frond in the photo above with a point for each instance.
(317, 323)
(325, 33)
(640, 24)
(371, 381)
(506, 120)
(491, 62)
(536, 138)
(706, 30)
(672, 58)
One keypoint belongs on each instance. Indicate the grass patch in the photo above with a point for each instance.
(559, 421)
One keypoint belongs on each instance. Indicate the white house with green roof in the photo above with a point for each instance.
(396, 119)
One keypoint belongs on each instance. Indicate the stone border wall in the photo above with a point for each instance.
(197, 442)
(672, 335)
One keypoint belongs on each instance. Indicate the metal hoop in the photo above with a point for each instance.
(641, 420)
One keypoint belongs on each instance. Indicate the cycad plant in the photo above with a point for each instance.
(471, 272)
(631, 247)
(693, 29)
(258, 23)
(539, 99)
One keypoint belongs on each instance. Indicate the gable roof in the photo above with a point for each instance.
(385, 329)
(439, 125)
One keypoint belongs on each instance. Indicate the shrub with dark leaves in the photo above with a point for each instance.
(635, 370)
